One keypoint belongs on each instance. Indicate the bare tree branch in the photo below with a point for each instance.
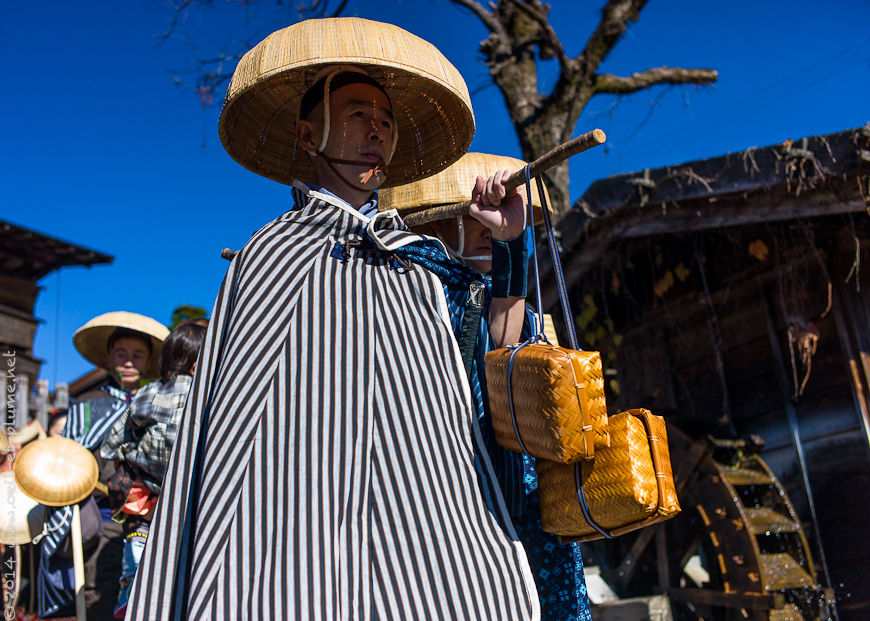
(318, 8)
(338, 11)
(493, 24)
(615, 85)
(539, 13)
(614, 20)
(177, 9)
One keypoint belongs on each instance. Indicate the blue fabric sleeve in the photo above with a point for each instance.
(510, 266)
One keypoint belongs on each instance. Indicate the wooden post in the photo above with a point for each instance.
(78, 563)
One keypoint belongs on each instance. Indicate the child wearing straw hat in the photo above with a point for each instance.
(127, 346)
(557, 567)
(329, 464)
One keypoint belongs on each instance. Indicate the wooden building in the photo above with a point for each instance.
(26, 257)
(732, 296)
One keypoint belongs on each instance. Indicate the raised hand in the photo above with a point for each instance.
(504, 215)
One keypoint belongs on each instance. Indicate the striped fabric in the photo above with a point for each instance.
(329, 464)
(87, 423)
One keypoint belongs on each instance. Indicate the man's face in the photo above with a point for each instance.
(361, 129)
(128, 358)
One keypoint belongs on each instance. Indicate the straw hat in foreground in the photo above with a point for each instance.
(431, 105)
(92, 339)
(22, 517)
(56, 471)
(453, 185)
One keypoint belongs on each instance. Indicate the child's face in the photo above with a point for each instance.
(55, 430)
(128, 358)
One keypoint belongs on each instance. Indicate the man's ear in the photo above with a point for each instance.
(305, 131)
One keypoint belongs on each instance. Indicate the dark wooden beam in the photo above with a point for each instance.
(707, 597)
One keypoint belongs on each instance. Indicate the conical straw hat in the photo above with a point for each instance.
(91, 339)
(22, 517)
(56, 471)
(453, 185)
(430, 100)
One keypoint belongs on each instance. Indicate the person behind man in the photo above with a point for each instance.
(329, 464)
(127, 346)
(557, 567)
(142, 440)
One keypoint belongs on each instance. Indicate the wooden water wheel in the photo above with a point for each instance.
(736, 551)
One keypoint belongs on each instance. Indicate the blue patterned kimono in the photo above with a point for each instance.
(557, 567)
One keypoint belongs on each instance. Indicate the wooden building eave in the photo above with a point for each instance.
(28, 255)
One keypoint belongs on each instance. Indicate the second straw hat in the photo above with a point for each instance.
(92, 339)
(453, 185)
(430, 99)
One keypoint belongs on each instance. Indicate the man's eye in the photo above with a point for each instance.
(387, 124)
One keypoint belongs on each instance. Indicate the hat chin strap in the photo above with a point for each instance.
(456, 253)
(379, 167)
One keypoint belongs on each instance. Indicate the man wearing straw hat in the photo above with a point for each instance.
(329, 464)
(557, 567)
(127, 346)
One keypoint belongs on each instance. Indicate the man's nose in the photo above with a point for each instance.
(377, 131)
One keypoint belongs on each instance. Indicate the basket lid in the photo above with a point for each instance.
(430, 99)
(453, 185)
(56, 471)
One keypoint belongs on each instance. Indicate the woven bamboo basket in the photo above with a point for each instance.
(628, 486)
(558, 395)
(430, 99)
(549, 329)
(453, 185)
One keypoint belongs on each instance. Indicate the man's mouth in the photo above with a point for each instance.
(374, 158)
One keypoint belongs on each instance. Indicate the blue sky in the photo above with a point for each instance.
(103, 149)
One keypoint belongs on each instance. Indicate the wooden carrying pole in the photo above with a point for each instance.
(78, 563)
(546, 161)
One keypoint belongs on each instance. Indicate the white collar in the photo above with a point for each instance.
(328, 197)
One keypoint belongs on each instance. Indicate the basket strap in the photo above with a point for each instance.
(539, 336)
(557, 269)
(584, 507)
(510, 392)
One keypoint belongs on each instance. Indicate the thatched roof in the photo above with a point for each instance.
(804, 178)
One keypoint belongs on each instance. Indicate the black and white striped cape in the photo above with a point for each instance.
(325, 467)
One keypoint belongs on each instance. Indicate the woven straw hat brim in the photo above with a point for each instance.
(453, 185)
(22, 517)
(56, 471)
(92, 338)
(431, 105)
